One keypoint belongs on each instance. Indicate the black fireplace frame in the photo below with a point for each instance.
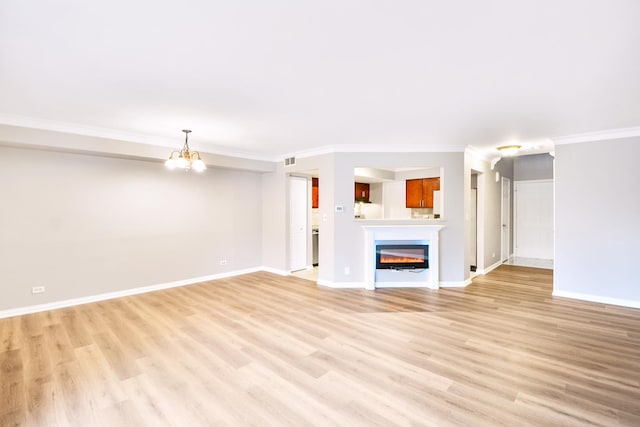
(403, 265)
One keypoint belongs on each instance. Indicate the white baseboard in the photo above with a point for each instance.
(275, 271)
(341, 285)
(597, 298)
(404, 285)
(119, 294)
(490, 268)
(462, 284)
(378, 285)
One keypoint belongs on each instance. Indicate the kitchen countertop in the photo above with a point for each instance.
(399, 221)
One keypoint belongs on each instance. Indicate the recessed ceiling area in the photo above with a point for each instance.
(268, 79)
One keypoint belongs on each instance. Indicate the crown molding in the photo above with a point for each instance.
(78, 129)
(112, 134)
(373, 148)
(597, 136)
(50, 140)
(478, 153)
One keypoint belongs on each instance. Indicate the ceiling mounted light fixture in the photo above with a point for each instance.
(185, 159)
(509, 150)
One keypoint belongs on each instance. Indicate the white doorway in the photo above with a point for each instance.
(473, 229)
(533, 216)
(298, 202)
(505, 234)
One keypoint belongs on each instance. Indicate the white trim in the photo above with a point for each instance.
(119, 294)
(532, 181)
(484, 155)
(371, 148)
(504, 181)
(403, 285)
(275, 271)
(106, 133)
(490, 268)
(597, 298)
(598, 136)
(341, 285)
(462, 284)
(480, 221)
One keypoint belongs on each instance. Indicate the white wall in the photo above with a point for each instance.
(82, 225)
(533, 167)
(275, 219)
(598, 220)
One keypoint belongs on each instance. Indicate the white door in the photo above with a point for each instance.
(298, 201)
(533, 216)
(506, 220)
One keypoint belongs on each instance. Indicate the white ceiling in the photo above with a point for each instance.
(286, 76)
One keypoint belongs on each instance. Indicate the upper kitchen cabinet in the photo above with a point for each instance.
(362, 192)
(314, 193)
(419, 192)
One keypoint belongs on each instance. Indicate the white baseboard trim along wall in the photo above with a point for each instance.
(344, 285)
(462, 284)
(111, 295)
(341, 285)
(275, 271)
(361, 285)
(490, 268)
(596, 298)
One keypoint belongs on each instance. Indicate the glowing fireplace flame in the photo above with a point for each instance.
(397, 259)
(399, 256)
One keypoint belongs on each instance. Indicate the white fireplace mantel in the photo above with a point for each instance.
(428, 233)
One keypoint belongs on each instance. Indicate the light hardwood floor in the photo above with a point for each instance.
(266, 350)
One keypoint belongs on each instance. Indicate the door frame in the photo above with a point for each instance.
(480, 222)
(298, 201)
(505, 219)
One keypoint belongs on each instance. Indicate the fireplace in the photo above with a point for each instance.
(409, 233)
(402, 257)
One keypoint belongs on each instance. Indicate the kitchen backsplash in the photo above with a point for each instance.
(422, 213)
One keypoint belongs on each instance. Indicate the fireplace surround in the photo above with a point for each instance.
(401, 234)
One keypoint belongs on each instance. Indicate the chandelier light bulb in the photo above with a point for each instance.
(182, 163)
(170, 163)
(185, 159)
(198, 165)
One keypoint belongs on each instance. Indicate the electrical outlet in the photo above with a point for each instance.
(224, 262)
(347, 271)
(493, 255)
(37, 289)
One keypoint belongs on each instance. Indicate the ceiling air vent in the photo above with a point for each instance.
(289, 161)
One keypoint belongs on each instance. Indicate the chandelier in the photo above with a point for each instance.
(185, 159)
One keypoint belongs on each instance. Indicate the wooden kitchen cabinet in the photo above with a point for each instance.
(361, 192)
(314, 193)
(420, 192)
